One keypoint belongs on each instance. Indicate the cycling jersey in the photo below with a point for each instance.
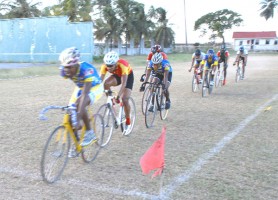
(85, 73)
(162, 67)
(149, 58)
(210, 60)
(243, 54)
(122, 68)
(223, 55)
(199, 59)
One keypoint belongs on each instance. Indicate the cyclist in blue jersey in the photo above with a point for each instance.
(161, 70)
(89, 87)
(210, 61)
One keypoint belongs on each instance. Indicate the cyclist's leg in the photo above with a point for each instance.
(112, 80)
(243, 66)
(167, 93)
(125, 97)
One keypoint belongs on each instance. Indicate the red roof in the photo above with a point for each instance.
(263, 34)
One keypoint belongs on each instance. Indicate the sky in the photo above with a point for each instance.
(194, 9)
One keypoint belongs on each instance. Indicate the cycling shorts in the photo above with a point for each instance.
(129, 82)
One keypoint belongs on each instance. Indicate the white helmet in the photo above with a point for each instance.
(69, 56)
(111, 58)
(157, 58)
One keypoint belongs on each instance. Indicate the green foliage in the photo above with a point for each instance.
(218, 22)
(267, 8)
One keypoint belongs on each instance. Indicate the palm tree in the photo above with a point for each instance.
(23, 9)
(267, 8)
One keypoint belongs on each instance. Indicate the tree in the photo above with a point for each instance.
(163, 34)
(218, 22)
(267, 8)
(23, 9)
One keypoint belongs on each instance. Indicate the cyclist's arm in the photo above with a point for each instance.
(192, 64)
(237, 59)
(147, 75)
(165, 79)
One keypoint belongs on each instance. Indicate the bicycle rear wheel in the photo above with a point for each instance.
(205, 86)
(163, 111)
(55, 155)
(150, 111)
(108, 121)
(145, 97)
(126, 130)
(90, 152)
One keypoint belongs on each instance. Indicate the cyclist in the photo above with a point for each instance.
(154, 49)
(88, 87)
(122, 74)
(162, 72)
(223, 56)
(197, 57)
(241, 54)
(210, 61)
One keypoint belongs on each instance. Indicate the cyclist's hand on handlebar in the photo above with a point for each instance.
(142, 88)
(190, 68)
(117, 99)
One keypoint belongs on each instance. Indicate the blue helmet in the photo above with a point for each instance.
(210, 52)
(241, 49)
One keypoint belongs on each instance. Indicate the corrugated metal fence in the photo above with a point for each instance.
(42, 39)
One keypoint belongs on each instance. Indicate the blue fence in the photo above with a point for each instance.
(42, 39)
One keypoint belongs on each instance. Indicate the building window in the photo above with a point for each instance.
(257, 42)
(266, 41)
(275, 42)
(240, 42)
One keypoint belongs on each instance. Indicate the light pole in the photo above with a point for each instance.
(185, 24)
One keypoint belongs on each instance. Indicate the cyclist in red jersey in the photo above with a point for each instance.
(122, 74)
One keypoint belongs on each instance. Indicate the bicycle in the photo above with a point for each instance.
(56, 150)
(112, 120)
(239, 73)
(219, 77)
(196, 80)
(207, 77)
(156, 101)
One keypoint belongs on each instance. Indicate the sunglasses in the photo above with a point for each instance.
(109, 66)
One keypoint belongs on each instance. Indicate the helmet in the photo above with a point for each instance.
(210, 52)
(241, 48)
(153, 49)
(69, 56)
(158, 48)
(111, 58)
(197, 52)
(157, 58)
(223, 47)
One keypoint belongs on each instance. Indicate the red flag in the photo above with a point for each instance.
(154, 157)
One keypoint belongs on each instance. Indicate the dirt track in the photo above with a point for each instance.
(220, 147)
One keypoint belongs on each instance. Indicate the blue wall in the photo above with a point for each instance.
(42, 39)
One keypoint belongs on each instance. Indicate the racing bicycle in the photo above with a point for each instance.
(239, 72)
(58, 145)
(207, 77)
(196, 84)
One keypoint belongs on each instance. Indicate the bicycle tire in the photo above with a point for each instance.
(145, 97)
(217, 79)
(150, 115)
(237, 75)
(210, 87)
(195, 85)
(124, 129)
(108, 121)
(205, 86)
(221, 78)
(91, 151)
(56, 147)
(163, 111)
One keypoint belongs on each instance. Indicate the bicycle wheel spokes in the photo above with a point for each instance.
(90, 152)
(55, 155)
(128, 129)
(163, 111)
(150, 111)
(204, 87)
(108, 123)
(237, 74)
(217, 78)
(210, 87)
(145, 97)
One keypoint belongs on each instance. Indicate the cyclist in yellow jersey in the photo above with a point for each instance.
(210, 61)
(122, 74)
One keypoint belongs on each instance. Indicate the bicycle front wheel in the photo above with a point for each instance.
(108, 123)
(128, 129)
(90, 152)
(237, 74)
(145, 97)
(195, 84)
(217, 78)
(55, 155)
(150, 111)
(205, 86)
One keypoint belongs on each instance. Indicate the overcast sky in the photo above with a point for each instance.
(194, 9)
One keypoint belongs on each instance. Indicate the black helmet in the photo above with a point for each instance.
(223, 47)
(197, 52)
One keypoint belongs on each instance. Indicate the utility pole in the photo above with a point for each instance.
(185, 24)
